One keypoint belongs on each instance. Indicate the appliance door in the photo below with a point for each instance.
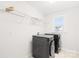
(51, 48)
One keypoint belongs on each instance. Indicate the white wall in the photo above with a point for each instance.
(16, 36)
(70, 33)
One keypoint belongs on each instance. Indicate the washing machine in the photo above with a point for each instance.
(57, 41)
(42, 46)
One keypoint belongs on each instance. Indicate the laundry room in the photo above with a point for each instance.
(39, 29)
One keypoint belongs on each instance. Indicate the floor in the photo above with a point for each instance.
(64, 54)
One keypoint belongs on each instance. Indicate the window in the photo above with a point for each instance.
(58, 22)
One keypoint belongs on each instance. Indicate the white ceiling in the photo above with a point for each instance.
(47, 8)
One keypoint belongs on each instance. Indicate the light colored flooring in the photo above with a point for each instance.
(65, 54)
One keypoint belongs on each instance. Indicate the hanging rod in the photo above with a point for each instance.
(23, 14)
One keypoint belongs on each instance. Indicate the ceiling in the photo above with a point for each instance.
(47, 8)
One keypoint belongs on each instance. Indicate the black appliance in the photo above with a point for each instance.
(56, 41)
(42, 46)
